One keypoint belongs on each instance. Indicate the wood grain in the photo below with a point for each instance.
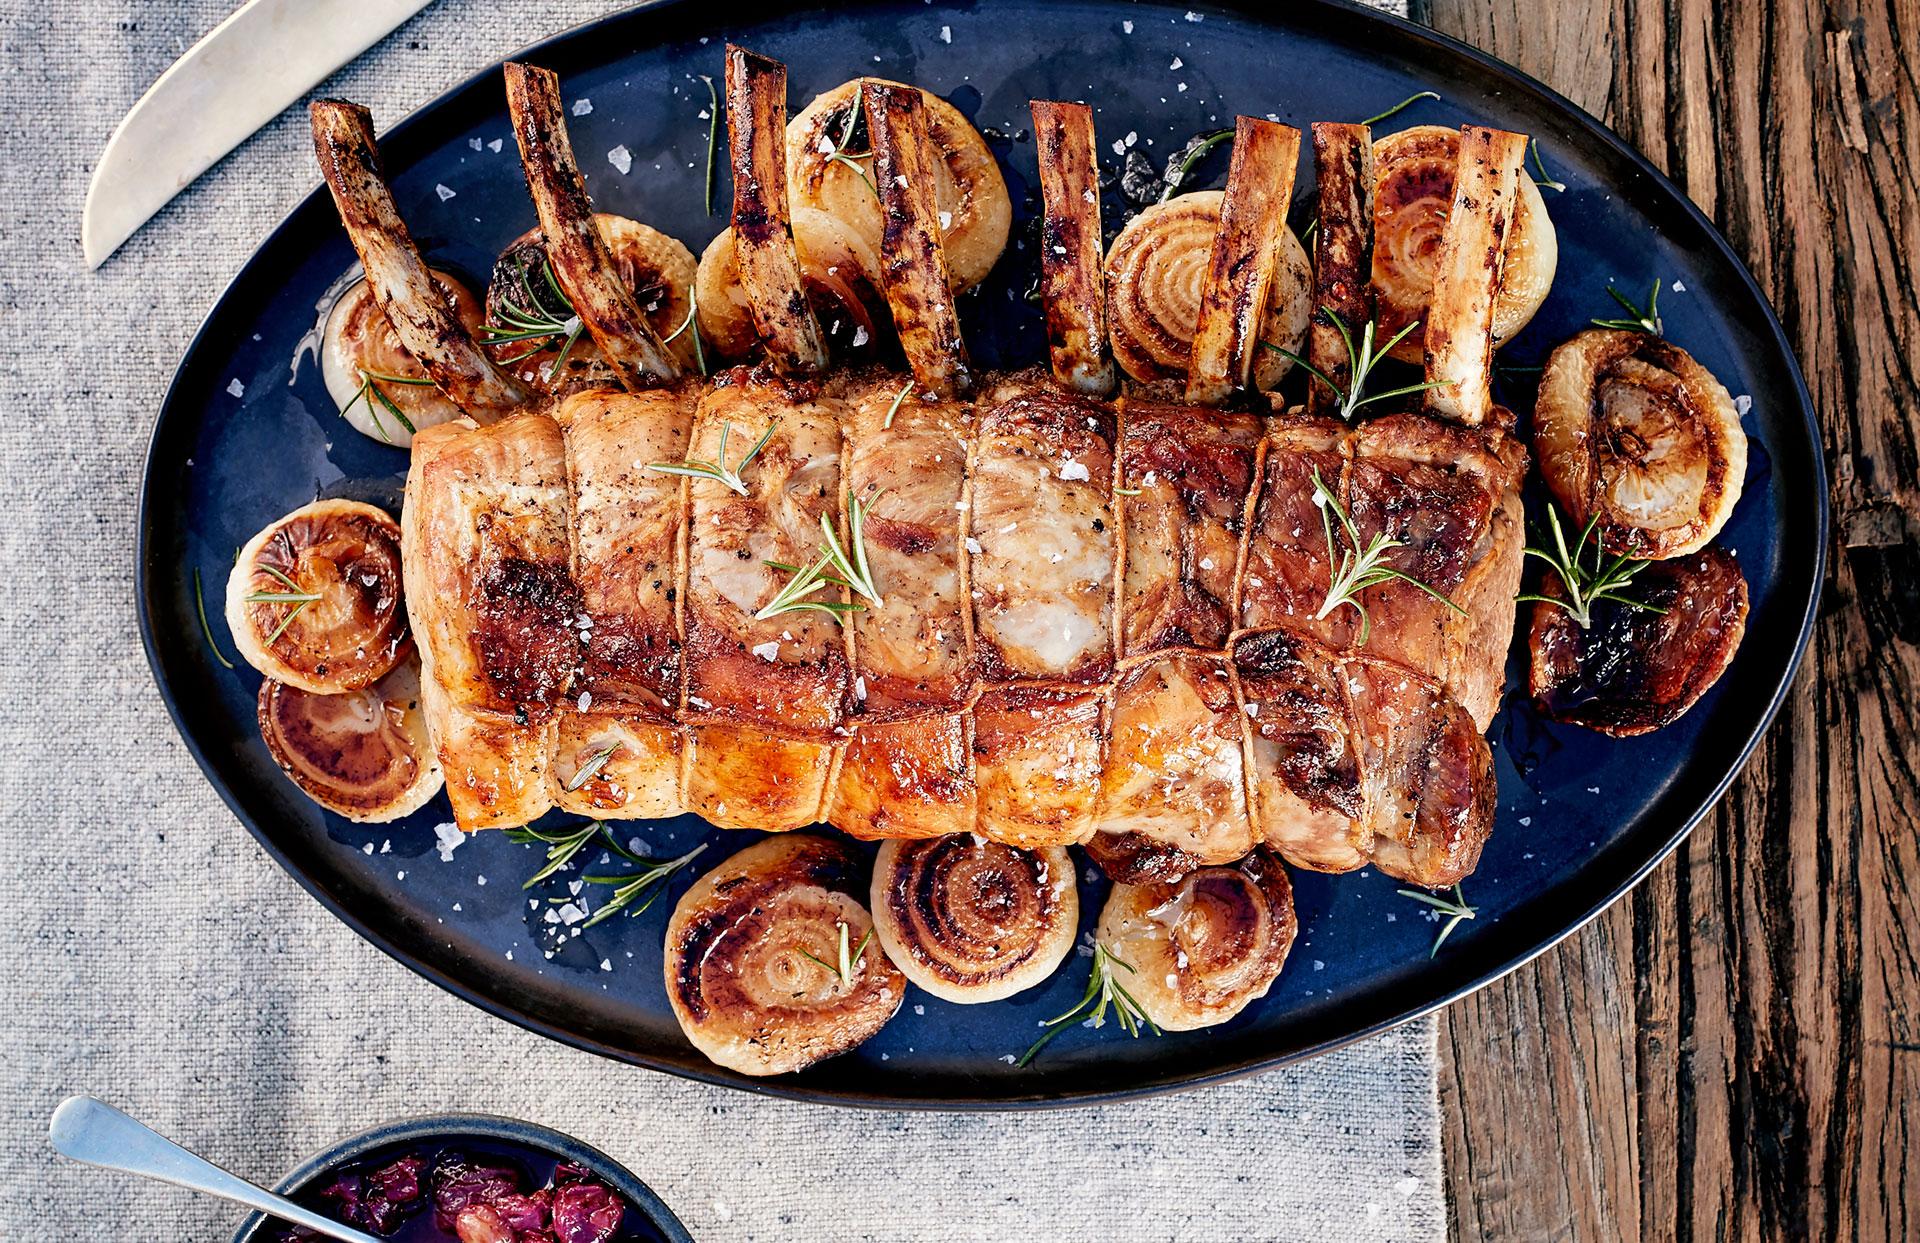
(1734, 1051)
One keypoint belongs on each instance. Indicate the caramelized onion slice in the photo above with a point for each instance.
(752, 958)
(364, 754)
(971, 920)
(1204, 948)
(314, 598)
(1156, 270)
(1630, 429)
(1413, 195)
(658, 269)
(357, 342)
(1633, 670)
(840, 270)
(970, 193)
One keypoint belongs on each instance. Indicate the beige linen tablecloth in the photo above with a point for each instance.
(160, 960)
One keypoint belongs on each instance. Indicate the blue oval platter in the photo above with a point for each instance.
(1581, 817)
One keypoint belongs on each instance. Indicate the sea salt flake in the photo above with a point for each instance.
(443, 191)
(1071, 470)
(1741, 405)
(1679, 287)
(581, 107)
(236, 388)
(1196, 17)
(621, 159)
(1407, 1186)
(367, 849)
(495, 145)
(606, 964)
(767, 651)
(973, 545)
(586, 700)
(1177, 63)
(448, 838)
(476, 144)
(1126, 28)
(946, 34)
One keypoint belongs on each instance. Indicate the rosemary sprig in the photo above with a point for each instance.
(713, 138)
(294, 596)
(200, 602)
(848, 958)
(1455, 908)
(1103, 989)
(371, 392)
(1362, 359)
(562, 845)
(1647, 320)
(534, 323)
(1351, 571)
(838, 153)
(1408, 102)
(838, 565)
(719, 471)
(850, 561)
(691, 324)
(1182, 163)
(1607, 580)
(595, 762)
(630, 886)
(1544, 181)
(793, 597)
(887, 423)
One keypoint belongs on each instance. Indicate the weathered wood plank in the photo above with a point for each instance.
(1735, 1051)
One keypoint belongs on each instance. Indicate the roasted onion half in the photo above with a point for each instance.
(1413, 195)
(1155, 271)
(971, 920)
(364, 754)
(314, 599)
(1202, 949)
(1632, 431)
(828, 169)
(359, 354)
(841, 272)
(660, 271)
(769, 965)
(1632, 670)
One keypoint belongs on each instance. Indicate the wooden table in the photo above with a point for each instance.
(1733, 1052)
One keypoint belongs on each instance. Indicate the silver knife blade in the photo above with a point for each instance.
(246, 71)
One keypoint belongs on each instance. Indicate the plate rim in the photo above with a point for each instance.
(149, 584)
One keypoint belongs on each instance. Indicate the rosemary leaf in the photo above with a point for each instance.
(1182, 163)
(713, 138)
(1408, 102)
(1455, 908)
(200, 602)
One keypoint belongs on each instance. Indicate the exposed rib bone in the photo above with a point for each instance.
(913, 265)
(574, 246)
(402, 285)
(1459, 338)
(1342, 253)
(1253, 216)
(764, 253)
(1072, 287)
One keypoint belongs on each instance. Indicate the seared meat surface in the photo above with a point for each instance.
(1094, 618)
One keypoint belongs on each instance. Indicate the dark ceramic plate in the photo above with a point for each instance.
(535, 1150)
(1581, 817)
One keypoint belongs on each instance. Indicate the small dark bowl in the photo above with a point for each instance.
(487, 1136)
